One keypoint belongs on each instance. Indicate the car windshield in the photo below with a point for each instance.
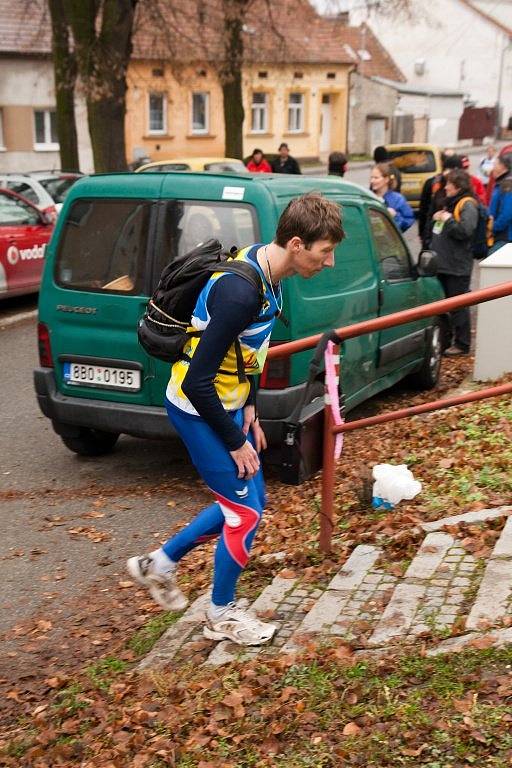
(228, 166)
(57, 187)
(166, 168)
(15, 212)
(413, 160)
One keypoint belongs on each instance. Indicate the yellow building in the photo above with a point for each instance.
(295, 83)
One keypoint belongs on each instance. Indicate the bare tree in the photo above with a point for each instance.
(65, 69)
(102, 32)
(230, 74)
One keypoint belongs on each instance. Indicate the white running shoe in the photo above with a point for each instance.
(162, 586)
(238, 626)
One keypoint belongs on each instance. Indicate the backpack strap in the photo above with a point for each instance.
(460, 205)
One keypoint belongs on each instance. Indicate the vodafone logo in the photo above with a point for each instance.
(14, 254)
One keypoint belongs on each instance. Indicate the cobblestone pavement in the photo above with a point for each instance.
(445, 588)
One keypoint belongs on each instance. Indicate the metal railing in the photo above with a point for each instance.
(368, 326)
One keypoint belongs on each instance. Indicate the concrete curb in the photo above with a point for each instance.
(16, 319)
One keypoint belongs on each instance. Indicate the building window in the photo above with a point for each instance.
(157, 113)
(2, 145)
(200, 104)
(262, 74)
(45, 129)
(296, 112)
(259, 113)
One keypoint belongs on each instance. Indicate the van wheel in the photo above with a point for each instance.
(91, 442)
(427, 376)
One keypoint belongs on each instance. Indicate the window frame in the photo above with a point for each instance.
(297, 108)
(47, 145)
(157, 131)
(200, 131)
(372, 209)
(262, 109)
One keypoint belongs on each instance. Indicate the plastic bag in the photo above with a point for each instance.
(393, 482)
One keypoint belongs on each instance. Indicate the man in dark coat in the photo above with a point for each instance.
(285, 163)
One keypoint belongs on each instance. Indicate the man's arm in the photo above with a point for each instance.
(233, 303)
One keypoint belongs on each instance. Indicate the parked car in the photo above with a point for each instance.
(111, 243)
(56, 183)
(31, 190)
(24, 234)
(211, 164)
(416, 163)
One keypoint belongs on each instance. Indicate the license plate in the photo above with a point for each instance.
(89, 375)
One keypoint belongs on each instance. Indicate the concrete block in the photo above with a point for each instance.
(354, 571)
(430, 555)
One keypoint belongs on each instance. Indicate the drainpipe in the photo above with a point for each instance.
(352, 69)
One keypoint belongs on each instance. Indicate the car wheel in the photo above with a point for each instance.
(427, 376)
(90, 442)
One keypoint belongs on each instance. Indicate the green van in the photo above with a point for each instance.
(116, 233)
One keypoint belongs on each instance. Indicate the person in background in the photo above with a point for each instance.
(337, 164)
(486, 164)
(500, 207)
(452, 240)
(258, 163)
(381, 155)
(433, 197)
(285, 163)
(382, 183)
(478, 187)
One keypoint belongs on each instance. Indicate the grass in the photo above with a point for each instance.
(145, 638)
(103, 672)
(404, 708)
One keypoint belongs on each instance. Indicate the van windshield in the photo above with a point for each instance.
(103, 247)
(413, 160)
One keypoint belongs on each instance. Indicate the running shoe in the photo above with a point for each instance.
(162, 586)
(239, 627)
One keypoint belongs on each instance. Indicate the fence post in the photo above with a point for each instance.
(327, 507)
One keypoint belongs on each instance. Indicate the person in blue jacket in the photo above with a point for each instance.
(500, 207)
(383, 183)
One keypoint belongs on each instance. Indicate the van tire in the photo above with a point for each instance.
(427, 377)
(91, 442)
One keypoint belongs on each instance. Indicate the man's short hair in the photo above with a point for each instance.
(310, 217)
(452, 162)
(283, 145)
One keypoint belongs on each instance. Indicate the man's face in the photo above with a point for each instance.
(284, 152)
(309, 261)
(450, 189)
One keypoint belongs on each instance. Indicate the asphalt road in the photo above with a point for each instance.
(117, 505)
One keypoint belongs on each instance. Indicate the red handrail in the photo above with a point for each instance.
(368, 326)
(397, 318)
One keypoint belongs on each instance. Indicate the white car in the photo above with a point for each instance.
(32, 190)
(56, 183)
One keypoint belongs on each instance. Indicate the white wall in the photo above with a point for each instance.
(443, 114)
(462, 51)
(27, 84)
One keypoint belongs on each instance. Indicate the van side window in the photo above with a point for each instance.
(103, 247)
(391, 250)
(189, 222)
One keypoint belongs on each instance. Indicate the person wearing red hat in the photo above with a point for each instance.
(476, 183)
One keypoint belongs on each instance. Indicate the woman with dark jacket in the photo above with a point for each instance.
(452, 239)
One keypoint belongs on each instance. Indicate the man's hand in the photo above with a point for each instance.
(246, 460)
(251, 422)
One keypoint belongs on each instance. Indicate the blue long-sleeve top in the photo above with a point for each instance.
(404, 214)
(501, 210)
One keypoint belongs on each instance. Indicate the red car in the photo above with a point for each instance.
(24, 234)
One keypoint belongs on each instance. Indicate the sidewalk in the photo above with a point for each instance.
(446, 592)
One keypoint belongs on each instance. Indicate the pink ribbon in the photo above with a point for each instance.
(332, 386)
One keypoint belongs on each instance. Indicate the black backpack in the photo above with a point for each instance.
(162, 330)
